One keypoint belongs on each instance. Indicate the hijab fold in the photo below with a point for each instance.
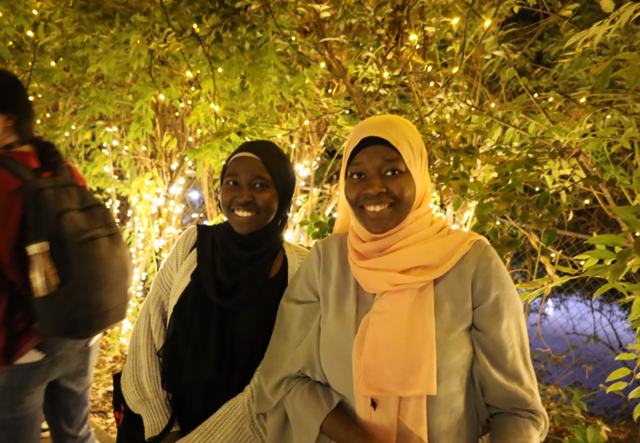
(394, 353)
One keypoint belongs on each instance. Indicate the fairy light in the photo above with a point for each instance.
(431, 84)
(583, 99)
(189, 74)
(385, 75)
(53, 63)
(413, 37)
(31, 97)
(454, 70)
(455, 21)
(550, 99)
(487, 23)
(35, 12)
(429, 68)
(161, 96)
(586, 202)
(323, 64)
(306, 122)
(106, 169)
(30, 33)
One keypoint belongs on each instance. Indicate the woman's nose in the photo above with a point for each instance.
(375, 187)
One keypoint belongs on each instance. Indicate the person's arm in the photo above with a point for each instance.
(141, 381)
(292, 388)
(502, 361)
(341, 428)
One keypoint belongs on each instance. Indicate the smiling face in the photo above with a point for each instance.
(379, 188)
(248, 196)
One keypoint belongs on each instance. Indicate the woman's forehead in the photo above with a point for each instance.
(376, 152)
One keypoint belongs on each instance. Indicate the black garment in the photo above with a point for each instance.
(221, 325)
(224, 345)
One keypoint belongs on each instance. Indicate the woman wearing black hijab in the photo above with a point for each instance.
(207, 321)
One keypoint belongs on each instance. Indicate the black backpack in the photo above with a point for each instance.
(87, 249)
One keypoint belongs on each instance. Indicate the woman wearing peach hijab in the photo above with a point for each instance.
(398, 328)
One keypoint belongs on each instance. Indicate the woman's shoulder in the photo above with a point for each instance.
(187, 240)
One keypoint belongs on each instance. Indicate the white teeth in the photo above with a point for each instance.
(241, 213)
(375, 208)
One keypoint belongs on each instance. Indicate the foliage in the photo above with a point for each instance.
(529, 111)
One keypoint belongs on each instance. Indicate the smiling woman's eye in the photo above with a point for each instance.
(356, 175)
(261, 185)
(393, 172)
(230, 182)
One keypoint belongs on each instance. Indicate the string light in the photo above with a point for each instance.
(35, 12)
(413, 37)
(161, 96)
(454, 70)
(322, 65)
(583, 99)
(30, 33)
(455, 21)
(385, 75)
(306, 122)
(487, 23)
(586, 202)
(53, 63)
(31, 97)
(429, 68)
(219, 69)
(550, 99)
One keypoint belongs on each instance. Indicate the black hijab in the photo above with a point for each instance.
(221, 325)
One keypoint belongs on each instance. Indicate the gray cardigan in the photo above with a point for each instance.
(485, 377)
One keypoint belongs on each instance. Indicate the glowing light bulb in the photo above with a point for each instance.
(385, 75)
(454, 70)
(189, 74)
(195, 26)
(323, 64)
(35, 12)
(587, 201)
(493, 105)
(106, 169)
(487, 23)
(53, 63)
(161, 96)
(219, 69)
(550, 99)
(30, 34)
(306, 122)
(413, 37)
(583, 99)
(608, 116)
(429, 68)
(455, 21)
(431, 84)
(31, 97)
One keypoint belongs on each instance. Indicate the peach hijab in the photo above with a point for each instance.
(394, 353)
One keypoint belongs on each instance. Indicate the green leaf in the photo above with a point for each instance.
(627, 356)
(593, 436)
(600, 254)
(635, 393)
(607, 6)
(602, 289)
(636, 412)
(543, 200)
(617, 386)
(548, 236)
(618, 374)
(608, 240)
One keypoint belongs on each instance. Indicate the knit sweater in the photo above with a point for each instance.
(236, 421)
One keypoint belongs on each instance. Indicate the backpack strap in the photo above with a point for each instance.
(23, 172)
(9, 314)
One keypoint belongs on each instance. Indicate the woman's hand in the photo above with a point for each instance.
(172, 437)
(341, 428)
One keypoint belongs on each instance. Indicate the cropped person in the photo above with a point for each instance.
(398, 328)
(53, 374)
(207, 321)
